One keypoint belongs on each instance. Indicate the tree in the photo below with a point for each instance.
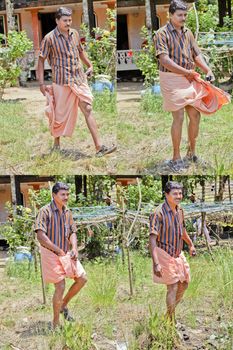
(10, 15)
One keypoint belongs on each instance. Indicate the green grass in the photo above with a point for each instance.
(144, 137)
(105, 312)
(26, 143)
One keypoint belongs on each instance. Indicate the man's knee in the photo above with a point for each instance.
(172, 288)
(82, 279)
(178, 117)
(185, 285)
(60, 287)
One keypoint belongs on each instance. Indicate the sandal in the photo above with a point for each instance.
(105, 150)
(67, 315)
(176, 166)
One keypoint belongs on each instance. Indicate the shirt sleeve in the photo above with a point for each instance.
(155, 223)
(194, 47)
(78, 42)
(160, 43)
(45, 48)
(41, 221)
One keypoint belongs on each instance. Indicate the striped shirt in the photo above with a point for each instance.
(62, 55)
(168, 226)
(181, 48)
(58, 226)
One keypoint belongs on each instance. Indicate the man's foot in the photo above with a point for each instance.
(67, 315)
(56, 148)
(176, 166)
(105, 150)
(193, 159)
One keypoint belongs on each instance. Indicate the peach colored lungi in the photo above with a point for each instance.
(62, 107)
(55, 268)
(174, 269)
(178, 92)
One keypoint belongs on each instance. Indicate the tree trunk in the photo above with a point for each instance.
(9, 15)
(88, 15)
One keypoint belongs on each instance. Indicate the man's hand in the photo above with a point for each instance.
(210, 76)
(191, 75)
(60, 252)
(74, 254)
(43, 88)
(192, 250)
(157, 270)
(89, 72)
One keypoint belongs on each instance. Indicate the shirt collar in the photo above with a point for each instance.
(58, 33)
(171, 28)
(55, 208)
(168, 208)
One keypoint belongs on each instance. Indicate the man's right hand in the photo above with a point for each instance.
(61, 252)
(191, 75)
(43, 88)
(157, 270)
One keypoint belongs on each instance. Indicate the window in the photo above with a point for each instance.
(2, 25)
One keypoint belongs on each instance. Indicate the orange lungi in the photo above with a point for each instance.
(178, 92)
(55, 268)
(62, 107)
(174, 269)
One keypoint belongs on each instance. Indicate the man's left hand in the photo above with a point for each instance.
(74, 254)
(89, 72)
(192, 250)
(210, 76)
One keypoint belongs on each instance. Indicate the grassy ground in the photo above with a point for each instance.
(144, 138)
(107, 315)
(26, 143)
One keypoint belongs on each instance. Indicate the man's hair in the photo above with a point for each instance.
(59, 186)
(172, 185)
(63, 11)
(177, 5)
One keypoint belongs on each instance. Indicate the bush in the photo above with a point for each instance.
(17, 45)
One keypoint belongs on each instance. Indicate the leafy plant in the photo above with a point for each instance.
(17, 45)
(102, 48)
(145, 59)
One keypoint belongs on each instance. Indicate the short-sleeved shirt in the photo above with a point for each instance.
(62, 55)
(168, 226)
(181, 48)
(58, 226)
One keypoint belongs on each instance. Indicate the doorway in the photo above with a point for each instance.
(48, 22)
(122, 33)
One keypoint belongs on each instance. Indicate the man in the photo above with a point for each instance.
(56, 232)
(167, 233)
(181, 86)
(63, 50)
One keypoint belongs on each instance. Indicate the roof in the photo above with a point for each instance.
(130, 3)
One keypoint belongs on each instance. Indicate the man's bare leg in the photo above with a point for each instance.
(176, 132)
(56, 143)
(171, 300)
(74, 289)
(57, 301)
(91, 123)
(182, 286)
(193, 128)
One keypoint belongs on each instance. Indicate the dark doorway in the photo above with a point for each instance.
(47, 22)
(122, 33)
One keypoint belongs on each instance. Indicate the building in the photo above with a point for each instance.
(37, 17)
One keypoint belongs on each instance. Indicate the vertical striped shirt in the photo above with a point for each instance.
(58, 226)
(168, 226)
(62, 55)
(180, 47)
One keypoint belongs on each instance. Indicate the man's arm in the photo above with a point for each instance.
(40, 72)
(167, 62)
(47, 243)
(187, 239)
(201, 63)
(157, 269)
(73, 241)
(87, 62)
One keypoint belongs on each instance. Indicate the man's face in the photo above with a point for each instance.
(178, 18)
(64, 23)
(175, 196)
(61, 197)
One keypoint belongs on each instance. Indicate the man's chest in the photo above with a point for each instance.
(62, 47)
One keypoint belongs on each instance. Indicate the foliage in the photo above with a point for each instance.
(151, 102)
(18, 230)
(145, 59)
(17, 45)
(105, 102)
(207, 15)
(102, 48)
(95, 245)
(151, 192)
